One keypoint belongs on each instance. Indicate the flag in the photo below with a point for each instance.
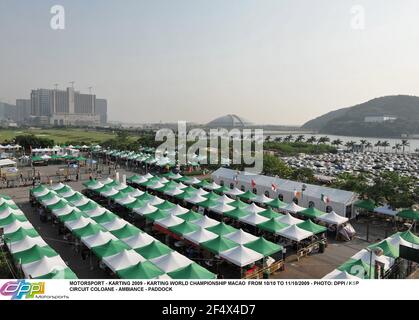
(325, 199)
(274, 187)
(253, 183)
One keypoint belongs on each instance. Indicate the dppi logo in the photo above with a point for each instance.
(19, 289)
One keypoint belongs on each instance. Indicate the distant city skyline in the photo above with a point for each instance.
(271, 62)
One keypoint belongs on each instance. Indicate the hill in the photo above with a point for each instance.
(350, 121)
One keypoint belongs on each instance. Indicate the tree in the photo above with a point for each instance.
(385, 144)
(274, 166)
(378, 145)
(337, 142)
(278, 139)
(363, 143)
(312, 139)
(268, 138)
(368, 145)
(404, 144)
(323, 140)
(305, 175)
(30, 141)
(397, 147)
(289, 138)
(351, 182)
(350, 145)
(300, 138)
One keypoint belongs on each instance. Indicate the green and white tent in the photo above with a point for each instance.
(191, 272)
(154, 250)
(144, 270)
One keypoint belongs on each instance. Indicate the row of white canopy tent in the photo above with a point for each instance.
(253, 218)
(29, 250)
(114, 241)
(239, 255)
(331, 218)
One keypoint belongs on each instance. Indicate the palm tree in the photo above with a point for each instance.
(405, 143)
(350, 144)
(363, 143)
(312, 139)
(385, 144)
(323, 140)
(268, 138)
(368, 145)
(300, 138)
(397, 147)
(378, 144)
(278, 139)
(337, 142)
(288, 138)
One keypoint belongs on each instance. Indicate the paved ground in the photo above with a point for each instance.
(312, 267)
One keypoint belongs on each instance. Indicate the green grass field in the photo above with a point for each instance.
(60, 136)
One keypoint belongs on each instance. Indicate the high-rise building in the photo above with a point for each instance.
(102, 110)
(7, 111)
(64, 107)
(23, 110)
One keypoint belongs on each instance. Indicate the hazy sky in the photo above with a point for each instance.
(271, 61)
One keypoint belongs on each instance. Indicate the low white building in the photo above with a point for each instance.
(340, 201)
(379, 119)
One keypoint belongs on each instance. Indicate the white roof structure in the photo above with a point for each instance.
(171, 262)
(57, 186)
(180, 185)
(78, 224)
(178, 210)
(98, 211)
(253, 219)
(41, 193)
(136, 193)
(81, 202)
(196, 199)
(98, 239)
(386, 210)
(201, 192)
(234, 192)
(15, 225)
(139, 180)
(115, 224)
(253, 208)
(155, 200)
(106, 181)
(96, 186)
(126, 200)
(222, 208)
(193, 181)
(43, 266)
(163, 180)
(398, 241)
(333, 218)
(120, 186)
(241, 237)
(8, 211)
(213, 186)
(148, 176)
(293, 208)
(205, 222)
(225, 199)
(365, 256)
(294, 233)
(157, 185)
(147, 209)
(241, 256)
(68, 193)
(51, 201)
(123, 260)
(174, 192)
(108, 193)
(64, 211)
(177, 176)
(201, 235)
(139, 240)
(26, 243)
(263, 199)
(289, 219)
(169, 221)
(340, 196)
